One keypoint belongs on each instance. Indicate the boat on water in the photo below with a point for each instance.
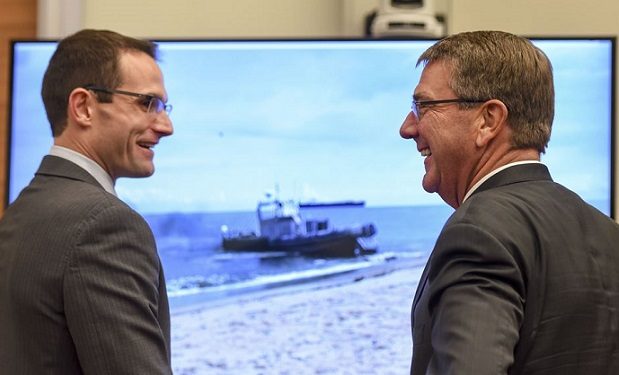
(283, 229)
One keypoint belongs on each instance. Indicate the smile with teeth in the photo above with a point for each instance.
(146, 145)
(425, 152)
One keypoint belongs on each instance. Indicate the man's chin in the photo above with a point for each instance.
(146, 174)
(139, 173)
(428, 186)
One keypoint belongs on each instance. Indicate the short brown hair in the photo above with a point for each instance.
(88, 57)
(503, 66)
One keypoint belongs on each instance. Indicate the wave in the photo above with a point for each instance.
(218, 285)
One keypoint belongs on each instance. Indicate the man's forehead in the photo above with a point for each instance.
(138, 65)
(140, 72)
(434, 80)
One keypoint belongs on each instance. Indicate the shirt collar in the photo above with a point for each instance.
(486, 177)
(86, 163)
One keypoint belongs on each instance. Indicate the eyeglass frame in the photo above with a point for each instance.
(160, 106)
(416, 105)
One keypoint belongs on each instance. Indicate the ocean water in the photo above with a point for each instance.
(197, 268)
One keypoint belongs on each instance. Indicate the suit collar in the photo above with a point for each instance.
(59, 167)
(516, 174)
(492, 173)
(87, 164)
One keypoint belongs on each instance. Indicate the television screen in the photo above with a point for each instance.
(288, 213)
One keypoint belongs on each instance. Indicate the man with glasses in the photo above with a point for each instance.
(523, 278)
(82, 289)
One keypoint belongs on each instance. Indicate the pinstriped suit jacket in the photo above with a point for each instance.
(523, 279)
(81, 284)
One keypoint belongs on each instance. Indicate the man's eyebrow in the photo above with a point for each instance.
(152, 95)
(420, 96)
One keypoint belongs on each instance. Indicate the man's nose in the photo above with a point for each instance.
(409, 129)
(164, 124)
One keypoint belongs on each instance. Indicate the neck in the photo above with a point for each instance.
(489, 162)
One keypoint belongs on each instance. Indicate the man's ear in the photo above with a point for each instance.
(493, 121)
(80, 106)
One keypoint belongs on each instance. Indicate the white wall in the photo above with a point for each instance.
(216, 18)
(538, 18)
(211, 18)
(319, 18)
(313, 18)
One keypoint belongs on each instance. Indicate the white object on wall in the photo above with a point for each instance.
(407, 18)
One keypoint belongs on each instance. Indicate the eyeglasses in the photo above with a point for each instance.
(150, 103)
(418, 105)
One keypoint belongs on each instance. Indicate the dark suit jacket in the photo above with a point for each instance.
(523, 279)
(81, 284)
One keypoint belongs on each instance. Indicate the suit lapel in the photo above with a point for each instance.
(422, 284)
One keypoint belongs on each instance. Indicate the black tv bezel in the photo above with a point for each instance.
(613, 104)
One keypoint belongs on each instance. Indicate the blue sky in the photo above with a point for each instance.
(318, 120)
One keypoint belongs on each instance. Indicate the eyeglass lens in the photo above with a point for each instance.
(157, 105)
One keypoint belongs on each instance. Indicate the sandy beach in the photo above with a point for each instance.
(354, 326)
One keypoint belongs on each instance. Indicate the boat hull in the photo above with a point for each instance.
(329, 245)
(246, 243)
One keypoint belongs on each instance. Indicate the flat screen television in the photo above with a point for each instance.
(314, 124)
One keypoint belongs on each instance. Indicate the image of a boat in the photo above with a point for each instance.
(283, 229)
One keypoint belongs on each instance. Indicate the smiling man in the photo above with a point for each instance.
(82, 289)
(523, 277)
